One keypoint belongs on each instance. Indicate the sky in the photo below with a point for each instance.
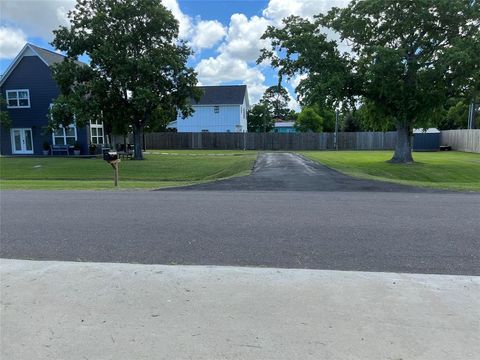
(224, 34)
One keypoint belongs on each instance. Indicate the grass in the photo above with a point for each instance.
(202, 152)
(156, 171)
(441, 170)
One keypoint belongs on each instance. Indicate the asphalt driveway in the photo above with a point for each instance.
(277, 171)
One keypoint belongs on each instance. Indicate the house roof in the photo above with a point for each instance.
(222, 95)
(426, 131)
(281, 124)
(47, 56)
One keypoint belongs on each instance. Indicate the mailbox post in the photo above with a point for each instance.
(112, 158)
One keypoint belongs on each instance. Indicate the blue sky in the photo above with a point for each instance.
(225, 34)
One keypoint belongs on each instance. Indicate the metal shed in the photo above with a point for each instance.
(426, 139)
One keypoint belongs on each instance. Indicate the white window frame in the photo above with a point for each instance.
(64, 135)
(18, 99)
(97, 126)
(74, 126)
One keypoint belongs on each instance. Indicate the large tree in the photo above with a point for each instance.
(276, 99)
(309, 121)
(137, 66)
(407, 57)
(5, 120)
(259, 119)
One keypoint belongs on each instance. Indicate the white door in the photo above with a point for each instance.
(22, 142)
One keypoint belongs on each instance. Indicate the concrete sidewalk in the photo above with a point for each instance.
(64, 310)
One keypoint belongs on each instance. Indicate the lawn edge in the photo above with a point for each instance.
(392, 181)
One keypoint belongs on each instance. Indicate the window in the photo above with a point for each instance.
(216, 109)
(204, 130)
(96, 132)
(18, 98)
(65, 136)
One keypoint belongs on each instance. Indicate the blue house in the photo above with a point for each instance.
(220, 109)
(284, 127)
(29, 90)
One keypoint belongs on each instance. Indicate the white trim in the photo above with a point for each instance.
(22, 136)
(18, 99)
(204, 105)
(64, 134)
(17, 59)
(97, 126)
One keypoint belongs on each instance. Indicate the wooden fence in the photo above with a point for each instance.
(271, 141)
(462, 140)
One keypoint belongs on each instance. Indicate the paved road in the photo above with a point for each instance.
(370, 231)
(292, 172)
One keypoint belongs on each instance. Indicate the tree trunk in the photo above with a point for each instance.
(137, 142)
(403, 148)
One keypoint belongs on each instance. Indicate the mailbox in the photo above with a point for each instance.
(110, 155)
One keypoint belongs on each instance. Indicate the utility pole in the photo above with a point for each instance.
(335, 138)
(472, 112)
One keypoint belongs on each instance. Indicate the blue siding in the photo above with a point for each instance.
(32, 73)
(285, 130)
(230, 118)
(426, 142)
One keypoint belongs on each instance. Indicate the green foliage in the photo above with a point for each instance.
(351, 123)
(407, 58)
(328, 116)
(276, 99)
(161, 117)
(137, 65)
(309, 121)
(292, 116)
(455, 116)
(60, 114)
(5, 120)
(259, 119)
(301, 48)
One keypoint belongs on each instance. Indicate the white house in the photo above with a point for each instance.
(220, 109)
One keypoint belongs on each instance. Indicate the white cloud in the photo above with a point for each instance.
(295, 81)
(37, 18)
(255, 91)
(279, 9)
(293, 103)
(207, 34)
(185, 21)
(11, 42)
(224, 68)
(243, 39)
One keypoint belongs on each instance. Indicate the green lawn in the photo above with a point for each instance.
(443, 170)
(157, 170)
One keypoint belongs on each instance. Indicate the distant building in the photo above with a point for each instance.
(426, 139)
(220, 109)
(284, 127)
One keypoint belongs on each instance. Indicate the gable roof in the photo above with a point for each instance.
(47, 56)
(222, 95)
